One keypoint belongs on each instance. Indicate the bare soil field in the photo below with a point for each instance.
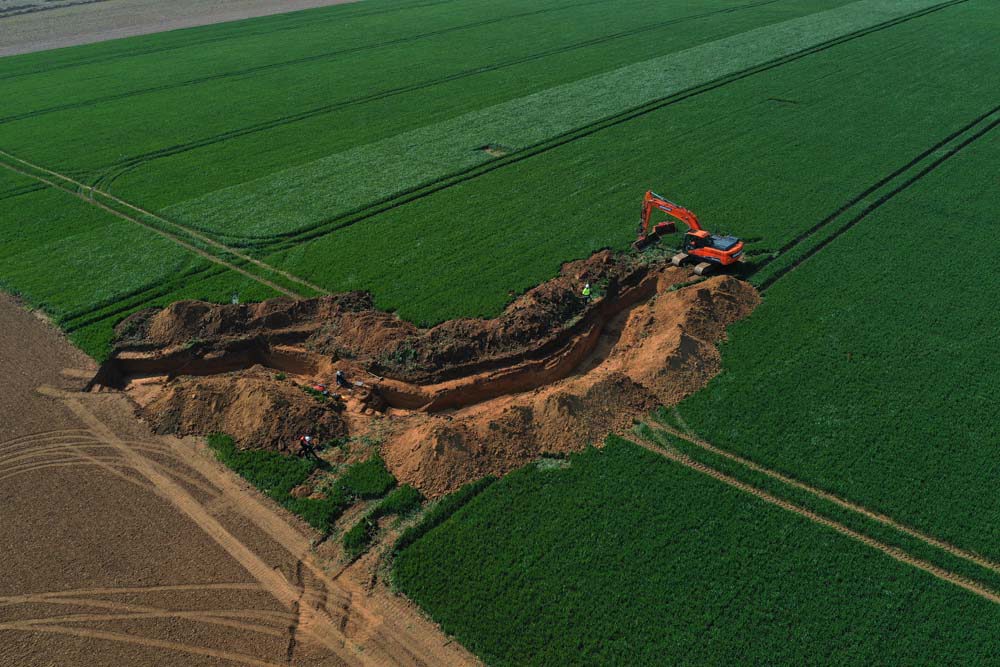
(35, 25)
(122, 547)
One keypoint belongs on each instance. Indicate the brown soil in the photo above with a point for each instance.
(664, 351)
(243, 405)
(466, 398)
(122, 547)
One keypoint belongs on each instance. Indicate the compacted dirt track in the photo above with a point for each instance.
(38, 25)
(125, 548)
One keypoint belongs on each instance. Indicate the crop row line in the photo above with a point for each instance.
(85, 317)
(889, 550)
(82, 195)
(341, 221)
(90, 194)
(285, 63)
(109, 173)
(21, 190)
(942, 151)
(292, 19)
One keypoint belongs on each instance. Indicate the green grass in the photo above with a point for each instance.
(299, 197)
(400, 502)
(870, 369)
(462, 250)
(626, 558)
(276, 474)
(355, 81)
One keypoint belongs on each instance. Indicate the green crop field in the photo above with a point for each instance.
(447, 155)
(623, 558)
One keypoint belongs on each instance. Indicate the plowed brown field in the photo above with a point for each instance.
(124, 548)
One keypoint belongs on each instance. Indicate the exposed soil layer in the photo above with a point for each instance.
(122, 547)
(251, 406)
(554, 372)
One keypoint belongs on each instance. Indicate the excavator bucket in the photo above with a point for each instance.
(643, 242)
(665, 227)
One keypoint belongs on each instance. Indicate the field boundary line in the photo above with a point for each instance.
(885, 520)
(892, 552)
(164, 234)
(94, 60)
(187, 230)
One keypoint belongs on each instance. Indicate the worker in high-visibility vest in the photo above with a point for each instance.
(586, 290)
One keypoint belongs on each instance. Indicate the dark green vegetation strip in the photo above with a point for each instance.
(276, 474)
(441, 511)
(626, 558)
(400, 502)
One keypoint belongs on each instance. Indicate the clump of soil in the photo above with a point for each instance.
(347, 325)
(664, 351)
(258, 411)
(553, 373)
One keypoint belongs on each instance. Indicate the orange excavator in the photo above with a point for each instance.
(708, 249)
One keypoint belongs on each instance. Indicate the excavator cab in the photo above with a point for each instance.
(708, 249)
(696, 239)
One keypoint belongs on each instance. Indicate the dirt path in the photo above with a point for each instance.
(38, 25)
(689, 436)
(125, 548)
(892, 552)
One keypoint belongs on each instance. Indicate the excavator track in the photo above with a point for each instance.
(703, 268)
(679, 258)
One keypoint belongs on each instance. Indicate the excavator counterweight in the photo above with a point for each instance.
(709, 250)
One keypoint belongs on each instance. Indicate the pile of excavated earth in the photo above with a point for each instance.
(556, 371)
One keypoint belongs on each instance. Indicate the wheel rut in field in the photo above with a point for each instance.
(887, 549)
(467, 398)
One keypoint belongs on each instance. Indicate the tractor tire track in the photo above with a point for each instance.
(284, 241)
(106, 465)
(221, 618)
(327, 55)
(878, 517)
(159, 232)
(131, 590)
(275, 583)
(892, 552)
(883, 199)
(83, 317)
(82, 188)
(59, 433)
(110, 173)
(139, 641)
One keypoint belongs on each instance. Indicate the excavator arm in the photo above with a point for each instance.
(652, 202)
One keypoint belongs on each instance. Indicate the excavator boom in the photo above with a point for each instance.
(699, 244)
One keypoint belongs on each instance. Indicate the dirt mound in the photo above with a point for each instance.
(347, 326)
(257, 410)
(664, 351)
(554, 372)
